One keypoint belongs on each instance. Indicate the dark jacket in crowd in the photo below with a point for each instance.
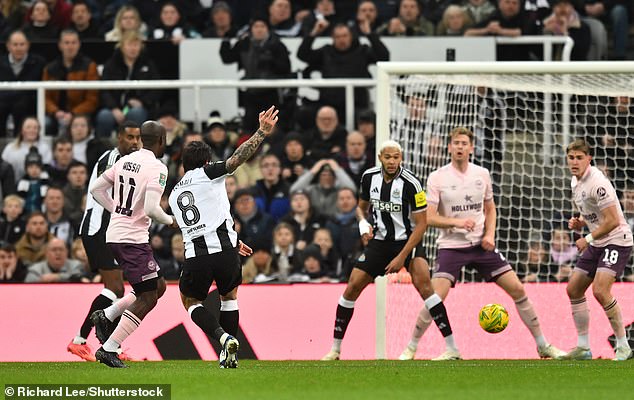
(143, 69)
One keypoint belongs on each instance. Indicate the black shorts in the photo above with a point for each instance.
(378, 254)
(99, 255)
(199, 273)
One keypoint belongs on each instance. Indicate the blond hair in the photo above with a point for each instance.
(578, 145)
(461, 130)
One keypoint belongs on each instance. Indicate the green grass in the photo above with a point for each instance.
(304, 380)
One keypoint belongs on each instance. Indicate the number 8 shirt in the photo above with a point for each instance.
(201, 207)
(131, 177)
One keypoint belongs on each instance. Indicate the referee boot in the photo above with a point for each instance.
(110, 358)
(103, 326)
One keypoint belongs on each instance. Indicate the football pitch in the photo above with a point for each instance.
(470, 379)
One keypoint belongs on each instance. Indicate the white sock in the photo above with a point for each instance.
(541, 341)
(79, 340)
(622, 342)
(583, 341)
(336, 345)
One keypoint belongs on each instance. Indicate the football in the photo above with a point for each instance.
(493, 318)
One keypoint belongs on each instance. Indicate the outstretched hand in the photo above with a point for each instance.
(243, 249)
(268, 120)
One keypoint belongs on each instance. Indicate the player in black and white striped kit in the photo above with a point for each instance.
(398, 206)
(201, 207)
(93, 235)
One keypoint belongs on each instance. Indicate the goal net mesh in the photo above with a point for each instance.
(522, 124)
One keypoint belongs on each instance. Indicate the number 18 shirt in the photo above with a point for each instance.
(131, 177)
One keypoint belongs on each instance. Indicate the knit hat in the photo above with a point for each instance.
(33, 157)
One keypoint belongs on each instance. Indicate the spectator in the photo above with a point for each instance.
(313, 266)
(57, 267)
(11, 269)
(78, 253)
(249, 172)
(344, 58)
(478, 10)
(11, 17)
(17, 66)
(627, 200)
(175, 129)
(272, 192)
(83, 23)
(563, 254)
(127, 63)
(40, 27)
(251, 223)
(30, 247)
(565, 21)
(324, 13)
(294, 160)
(75, 192)
(303, 218)
(171, 26)
(535, 267)
(16, 151)
(323, 194)
(344, 230)
(328, 137)
(231, 185)
(354, 159)
(220, 23)
(161, 234)
(506, 21)
(171, 267)
(367, 16)
(433, 10)
(86, 148)
(331, 259)
(57, 169)
(7, 179)
(281, 19)
(262, 56)
(127, 20)
(12, 225)
(455, 21)
(70, 66)
(286, 260)
(366, 125)
(257, 268)
(409, 22)
(60, 12)
(217, 137)
(34, 185)
(58, 222)
(616, 14)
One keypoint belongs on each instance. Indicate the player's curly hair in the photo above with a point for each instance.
(195, 155)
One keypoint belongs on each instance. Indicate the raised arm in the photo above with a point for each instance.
(268, 119)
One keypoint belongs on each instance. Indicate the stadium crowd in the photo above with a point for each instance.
(294, 201)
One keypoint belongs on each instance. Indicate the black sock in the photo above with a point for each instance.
(99, 303)
(229, 320)
(342, 319)
(207, 322)
(439, 315)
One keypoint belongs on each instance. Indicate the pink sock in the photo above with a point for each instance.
(529, 317)
(129, 322)
(613, 311)
(581, 316)
(118, 307)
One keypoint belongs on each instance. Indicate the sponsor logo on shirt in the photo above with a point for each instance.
(162, 179)
(420, 199)
(385, 206)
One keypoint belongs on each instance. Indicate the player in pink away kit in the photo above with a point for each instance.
(138, 180)
(460, 203)
(606, 250)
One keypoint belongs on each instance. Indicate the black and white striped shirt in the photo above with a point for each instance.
(96, 219)
(393, 203)
(201, 207)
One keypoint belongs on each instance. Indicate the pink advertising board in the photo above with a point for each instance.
(38, 321)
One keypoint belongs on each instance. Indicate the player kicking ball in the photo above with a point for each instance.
(137, 181)
(605, 250)
(398, 207)
(461, 205)
(211, 244)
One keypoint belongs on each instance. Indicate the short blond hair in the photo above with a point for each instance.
(461, 130)
(578, 145)
(13, 198)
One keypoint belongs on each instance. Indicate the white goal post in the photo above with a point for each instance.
(523, 115)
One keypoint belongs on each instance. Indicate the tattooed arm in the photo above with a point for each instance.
(268, 119)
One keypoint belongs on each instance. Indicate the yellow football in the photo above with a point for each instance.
(493, 318)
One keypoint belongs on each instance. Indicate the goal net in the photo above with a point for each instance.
(523, 116)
